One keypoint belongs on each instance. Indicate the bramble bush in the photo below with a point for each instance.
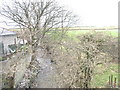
(76, 61)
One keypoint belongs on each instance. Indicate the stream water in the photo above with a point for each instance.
(45, 78)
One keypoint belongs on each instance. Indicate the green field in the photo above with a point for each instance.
(101, 77)
(75, 33)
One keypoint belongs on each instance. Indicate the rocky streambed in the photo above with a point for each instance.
(42, 76)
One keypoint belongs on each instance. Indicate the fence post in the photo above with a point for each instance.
(115, 82)
(112, 81)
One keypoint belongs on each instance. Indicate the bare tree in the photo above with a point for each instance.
(36, 19)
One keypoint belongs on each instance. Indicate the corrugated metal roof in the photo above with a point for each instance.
(6, 32)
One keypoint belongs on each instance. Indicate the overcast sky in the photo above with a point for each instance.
(92, 12)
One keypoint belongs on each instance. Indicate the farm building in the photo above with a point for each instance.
(7, 39)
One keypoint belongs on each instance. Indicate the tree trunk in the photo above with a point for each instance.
(33, 56)
(32, 51)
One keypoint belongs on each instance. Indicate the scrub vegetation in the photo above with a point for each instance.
(81, 58)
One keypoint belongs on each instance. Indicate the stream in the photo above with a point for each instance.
(45, 78)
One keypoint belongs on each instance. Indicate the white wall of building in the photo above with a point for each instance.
(8, 40)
